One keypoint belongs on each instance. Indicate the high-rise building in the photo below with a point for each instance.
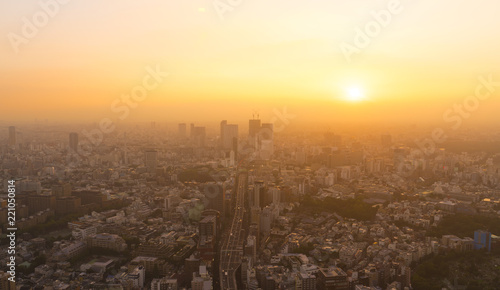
(223, 125)
(257, 194)
(151, 159)
(182, 130)
(198, 135)
(267, 131)
(254, 127)
(228, 135)
(73, 142)
(12, 136)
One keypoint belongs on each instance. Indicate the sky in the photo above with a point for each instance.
(227, 59)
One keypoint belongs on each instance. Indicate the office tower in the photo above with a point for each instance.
(275, 195)
(182, 131)
(254, 127)
(191, 130)
(150, 160)
(223, 125)
(250, 249)
(228, 134)
(73, 142)
(12, 136)
(267, 131)
(266, 220)
(255, 196)
(266, 138)
(332, 278)
(198, 136)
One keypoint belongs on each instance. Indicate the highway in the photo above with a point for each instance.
(232, 246)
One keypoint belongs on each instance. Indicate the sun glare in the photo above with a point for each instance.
(354, 94)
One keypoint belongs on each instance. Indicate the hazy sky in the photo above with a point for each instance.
(263, 55)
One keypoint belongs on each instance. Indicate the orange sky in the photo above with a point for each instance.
(261, 56)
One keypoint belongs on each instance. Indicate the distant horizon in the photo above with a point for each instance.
(187, 61)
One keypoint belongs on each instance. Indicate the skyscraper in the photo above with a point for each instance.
(253, 127)
(12, 136)
(267, 131)
(228, 134)
(253, 133)
(73, 142)
(266, 139)
(198, 135)
(150, 159)
(182, 130)
(223, 125)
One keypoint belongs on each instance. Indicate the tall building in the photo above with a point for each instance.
(228, 135)
(198, 135)
(257, 194)
(223, 125)
(254, 127)
(12, 136)
(73, 142)
(151, 159)
(267, 131)
(260, 137)
(182, 130)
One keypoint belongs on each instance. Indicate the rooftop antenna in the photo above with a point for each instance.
(255, 112)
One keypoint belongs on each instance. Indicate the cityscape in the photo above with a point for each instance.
(238, 145)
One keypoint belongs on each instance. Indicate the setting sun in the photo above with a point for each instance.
(354, 94)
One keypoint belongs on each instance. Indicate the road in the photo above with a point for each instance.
(232, 247)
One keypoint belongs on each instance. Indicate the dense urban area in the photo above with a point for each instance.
(253, 206)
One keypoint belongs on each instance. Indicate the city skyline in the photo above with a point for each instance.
(233, 144)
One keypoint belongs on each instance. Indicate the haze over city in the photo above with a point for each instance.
(258, 57)
(260, 145)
